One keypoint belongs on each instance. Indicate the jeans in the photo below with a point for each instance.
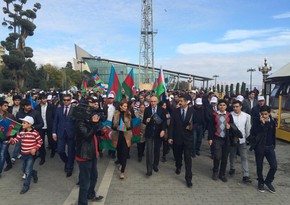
(17, 149)
(27, 168)
(197, 138)
(244, 158)
(3, 149)
(270, 155)
(88, 178)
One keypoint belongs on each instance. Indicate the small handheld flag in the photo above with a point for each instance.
(122, 126)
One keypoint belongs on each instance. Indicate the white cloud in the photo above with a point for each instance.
(282, 16)
(245, 34)
(278, 39)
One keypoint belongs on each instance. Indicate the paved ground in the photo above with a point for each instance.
(164, 187)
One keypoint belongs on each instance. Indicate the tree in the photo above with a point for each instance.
(238, 89)
(218, 88)
(222, 88)
(232, 89)
(21, 22)
(243, 88)
(227, 89)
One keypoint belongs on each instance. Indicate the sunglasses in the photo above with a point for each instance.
(66, 99)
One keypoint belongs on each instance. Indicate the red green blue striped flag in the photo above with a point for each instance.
(84, 85)
(128, 85)
(8, 128)
(122, 126)
(114, 85)
(96, 79)
(157, 118)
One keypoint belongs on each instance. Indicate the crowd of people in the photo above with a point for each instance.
(179, 122)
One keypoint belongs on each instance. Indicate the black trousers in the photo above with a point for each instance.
(51, 142)
(140, 149)
(221, 148)
(122, 151)
(267, 152)
(152, 152)
(185, 149)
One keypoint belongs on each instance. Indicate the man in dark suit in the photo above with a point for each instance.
(63, 133)
(250, 102)
(155, 120)
(181, 136)
(47, 112)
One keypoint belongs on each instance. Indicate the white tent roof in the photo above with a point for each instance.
(282, 72)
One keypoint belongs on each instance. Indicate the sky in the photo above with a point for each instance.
(199, 37)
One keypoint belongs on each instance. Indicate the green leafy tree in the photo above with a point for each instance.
(243, 88)
(218, 88)
(227, 89)
(237, 88)
(232, 89)
(213, 88)
(222, 88)
(20, 21)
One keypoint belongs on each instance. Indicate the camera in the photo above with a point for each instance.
(85, 112)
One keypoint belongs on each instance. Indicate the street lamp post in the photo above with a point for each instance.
(251, 70)
(189, 80)
(215, 77)
(81, 62)
(265, 70)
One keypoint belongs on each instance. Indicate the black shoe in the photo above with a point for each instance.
(139, 159)
(68, 174)
(113, 156)
(215, 176)
(155, 168)
(247, 180)
(177, 171)
(193, 155)
(78, 183)
(42, 162)
(189, 184)
(232, 172)
(197, 153)
(8, 167)
(96, 198)
(223, 178)
(128, 157)
(101, 154)
(117, 162)
(35, 179)
(52, 154)
(148, 174)
(261, 187)
(163, 159)
(24, 189)
(270, 187)
(212, 156)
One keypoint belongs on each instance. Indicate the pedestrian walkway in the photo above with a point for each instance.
(163, 187)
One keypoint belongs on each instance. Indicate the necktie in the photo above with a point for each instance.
(66, 111)
(154, 110)
(183, 114)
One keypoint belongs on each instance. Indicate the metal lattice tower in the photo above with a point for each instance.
(146, 54)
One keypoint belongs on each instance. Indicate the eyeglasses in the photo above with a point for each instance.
(66, 99)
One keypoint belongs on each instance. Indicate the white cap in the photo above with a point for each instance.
(171, 96)
(111, 95)
(213, 100)
(240, 98)
(260, 98)
(193, 91)
(91, 92)
(74, 101)
(28, 119)
(104, 96)
(198, 101)
(133, 99)
(49, 97)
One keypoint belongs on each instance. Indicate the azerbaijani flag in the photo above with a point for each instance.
(105, 140)
(96, 79)
(157, 118)
(84, 85)
(8, 128)
(154, 87)
(136, 130)
(114, 85)
(160, 89)
(122, 126)
(128, 85)
(99, 88)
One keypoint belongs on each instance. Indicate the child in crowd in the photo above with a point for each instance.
(31, 142)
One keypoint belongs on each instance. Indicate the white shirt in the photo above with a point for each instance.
(243, 123)
(43, 115)
(111, 111)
